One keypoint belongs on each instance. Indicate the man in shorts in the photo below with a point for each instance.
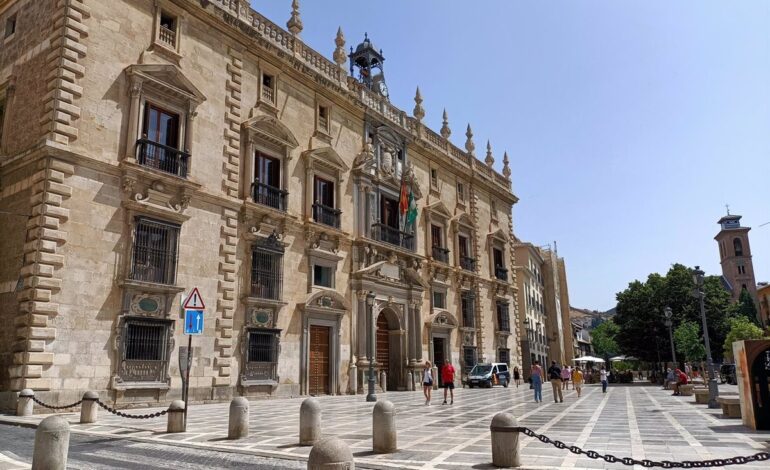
(448, 381)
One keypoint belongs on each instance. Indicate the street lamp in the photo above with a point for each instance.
(370, 347)
(698, 276)
(667, 313)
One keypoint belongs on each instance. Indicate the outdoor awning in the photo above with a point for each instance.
(622, 358)
(588, 359)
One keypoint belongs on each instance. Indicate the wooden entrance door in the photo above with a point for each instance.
(319, 360)
(383, 343)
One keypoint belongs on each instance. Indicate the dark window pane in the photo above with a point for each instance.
(262, 347)
(155, 255)
(145, 341)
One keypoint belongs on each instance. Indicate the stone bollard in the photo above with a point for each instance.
(89, 408)
(505, 441)
(52, 441)
(331, 453)
(410, 381)
(176, 417)
(238, 426)
(384, 427)
(25, 404)
(384, 381)
(309, 422)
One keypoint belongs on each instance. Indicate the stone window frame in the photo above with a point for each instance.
(133, 249)
(473, 350)
(252, 325)
(145, 85)
(500, 357)
(323, 104)
(498, 240)
(325, 163)
(470, 294)
(325, 259)
(324, 307)
(268, 135)
(493, 209)
(441, 290)
(3, 113)
(462, 225)
(268, 70)
(462, 191)
(10, 27)
(165, 8)
(437, 214)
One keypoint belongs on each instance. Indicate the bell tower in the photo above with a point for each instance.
(735, 256)
(366, 65)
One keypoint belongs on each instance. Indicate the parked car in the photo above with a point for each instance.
(727, 373)
(487, 375)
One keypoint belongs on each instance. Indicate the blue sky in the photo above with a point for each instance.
(630, 124)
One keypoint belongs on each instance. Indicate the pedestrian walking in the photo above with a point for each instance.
(554, 375)
(603, 378)
(566, 373)
(516, 376)
(448, 381)
(577, 380)
(427, 382)
(536, 379)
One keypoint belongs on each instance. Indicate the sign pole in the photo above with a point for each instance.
(187, 382)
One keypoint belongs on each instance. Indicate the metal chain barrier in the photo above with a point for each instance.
(758, 457)
(124, 415)
(45, 405)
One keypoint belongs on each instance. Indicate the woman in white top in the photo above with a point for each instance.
(427, 382)
(603, 378)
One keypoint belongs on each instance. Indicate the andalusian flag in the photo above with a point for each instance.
(411, 215)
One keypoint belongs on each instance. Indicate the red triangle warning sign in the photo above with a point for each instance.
(194, 301)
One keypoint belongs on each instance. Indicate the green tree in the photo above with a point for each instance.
(688, 341)
(740, 328)
(603, 339)
(746, 307)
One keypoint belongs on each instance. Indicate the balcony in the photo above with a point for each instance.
(167, 36)
(393, 236)
(269, 196)
(326, 215)
(162, 157)
(501, 273)
(440, 254)
(468, 263)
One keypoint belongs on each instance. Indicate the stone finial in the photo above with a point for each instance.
(295, 22)
(470, 147)
(506, 167)
(419, 111)
(490, 160)
(339, 53)
(445, 130)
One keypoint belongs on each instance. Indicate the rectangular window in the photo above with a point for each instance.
(435, 236)
(155, 251)
(323, 118)
(324, 192)
(10, 26)
(463, 246)
(469, 358)
(266, 271)
(266, 189)
(439, 299)
(323, 276)
(145, 341)
(389, 212)
(460, 192)
(434, 177)
(503, 317)
(167, 33)
(467, 309)
(261, 355)
(504, 356)
(497, 254)
(268, 88)
(159, 146)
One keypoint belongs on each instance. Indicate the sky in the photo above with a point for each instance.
(629, 124)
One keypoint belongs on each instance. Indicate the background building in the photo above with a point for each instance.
(531, 302)
(150, 146)
(735, 257)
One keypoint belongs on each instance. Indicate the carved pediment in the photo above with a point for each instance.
(325, 156)
(271, 129)
(326, 299)
(462, 219)
(438, 209)
(441, 318)
(499, 235)
(166, 78)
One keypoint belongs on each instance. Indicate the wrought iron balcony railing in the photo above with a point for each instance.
(326, 215)
(501, 273)
(440, 254)
(162, 157)
(393, 236)
(468, 263)
(269, 196)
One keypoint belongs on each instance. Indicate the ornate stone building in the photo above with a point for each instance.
(531, 301)
(149, 146)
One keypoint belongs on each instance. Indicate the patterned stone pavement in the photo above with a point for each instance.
(636, 421)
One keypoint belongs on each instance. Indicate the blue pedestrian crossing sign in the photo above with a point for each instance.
(193, 322)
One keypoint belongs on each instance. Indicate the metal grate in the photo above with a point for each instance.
(503, 318)
(145, 341)
(467, 309)
(269, 195)
(155, 251)
(266, 275)
(261, 346)
(469, 358)
(504, 356)
(326, 215)
(162, 157)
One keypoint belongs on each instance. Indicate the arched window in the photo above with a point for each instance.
(738, 246)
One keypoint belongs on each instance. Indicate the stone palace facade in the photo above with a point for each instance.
(150, 146)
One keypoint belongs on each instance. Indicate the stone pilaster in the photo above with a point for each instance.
(473, 206)
(64, 71)
(43, 259)
(232, 148)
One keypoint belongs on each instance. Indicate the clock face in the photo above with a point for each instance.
(383, 89)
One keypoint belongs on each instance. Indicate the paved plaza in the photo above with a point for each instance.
(636, 421)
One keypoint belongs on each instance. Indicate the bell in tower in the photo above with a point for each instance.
(367, 61)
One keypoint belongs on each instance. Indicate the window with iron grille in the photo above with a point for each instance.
(145, 340)
(266, 269)
(469, 358)
(155, 251)
(262, 355)
(503, 320)
(467, 309)
(504, 355)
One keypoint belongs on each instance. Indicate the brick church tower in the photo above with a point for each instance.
(735, 256)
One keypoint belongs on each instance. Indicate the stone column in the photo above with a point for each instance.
(133, 118)
(417, 330)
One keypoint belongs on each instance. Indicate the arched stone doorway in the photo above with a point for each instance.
(388, 347)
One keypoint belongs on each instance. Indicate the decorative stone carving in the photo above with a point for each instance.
(294, 25)
(419, 111)
(261, 317)
(490, 160)
(365, 159)
(147, 305)
(340, 57)
(506, 167)
(387, 161)
(470, 147)
(445, 130)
